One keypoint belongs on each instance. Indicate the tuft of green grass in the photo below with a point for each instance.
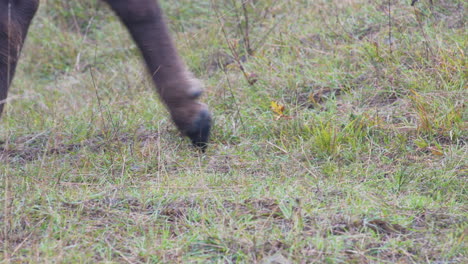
(367, 164)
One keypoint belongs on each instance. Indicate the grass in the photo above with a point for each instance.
(367, 163)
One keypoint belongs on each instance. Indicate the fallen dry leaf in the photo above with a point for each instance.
(279, 110)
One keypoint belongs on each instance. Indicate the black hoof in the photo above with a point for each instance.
(196, 94)
(199, 133)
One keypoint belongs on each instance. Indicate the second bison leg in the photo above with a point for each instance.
(176, 86)
(15, 17)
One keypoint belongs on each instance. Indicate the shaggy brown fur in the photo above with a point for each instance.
(144, 19)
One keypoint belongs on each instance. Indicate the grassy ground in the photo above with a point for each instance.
(363, 159)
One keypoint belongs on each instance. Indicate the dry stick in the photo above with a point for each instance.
(231, 47)
(9, 25)
(238, 18)
(109, 116)
(243, 31)
(75, 22)
(390, 41)
(235, 99)
(106, 136)
(390, 25)
(252, 48)
(236, 57)
(265, 12)
(428, 47)
(246, 36)
(78, 57)
(98, 99)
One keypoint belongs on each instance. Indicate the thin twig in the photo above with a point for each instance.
(236, 103)
(238, 18)
(426, 38)
(390, 25)
(230, 45)
(246, 35)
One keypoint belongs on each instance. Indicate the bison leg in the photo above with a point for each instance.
(178, 89)
(15, 17)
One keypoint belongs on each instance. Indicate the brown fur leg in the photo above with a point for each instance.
(15, 17)
(176, 85)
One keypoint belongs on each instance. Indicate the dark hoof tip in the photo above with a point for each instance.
(199, 133)
(196, 94)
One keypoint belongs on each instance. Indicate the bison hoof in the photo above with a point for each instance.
(199, 132)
